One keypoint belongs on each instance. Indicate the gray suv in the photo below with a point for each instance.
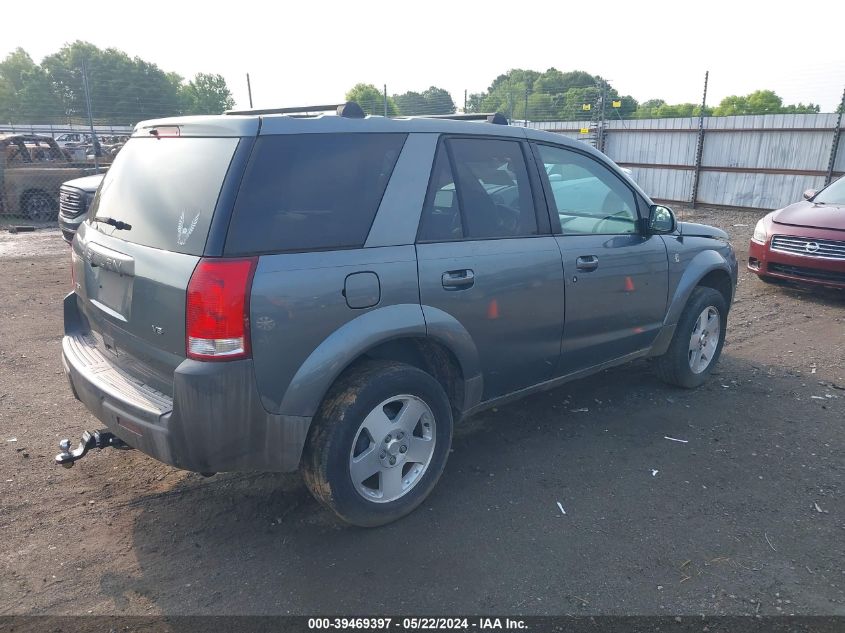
(273, 291)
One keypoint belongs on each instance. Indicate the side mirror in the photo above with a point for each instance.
(661, 219)
(810, 194)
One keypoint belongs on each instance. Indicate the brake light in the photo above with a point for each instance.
(217, 310)
(166, 131)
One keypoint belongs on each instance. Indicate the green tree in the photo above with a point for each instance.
(474, 101)
(554, 81)
(123, 89)
(205, 94)
(551, 95)
(432, 101)
(438, 101)
(26, 94)
(760, 102)
(371, 99)
(410, 103)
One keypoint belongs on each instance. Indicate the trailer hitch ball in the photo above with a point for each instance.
(97, 439)
(65, 458)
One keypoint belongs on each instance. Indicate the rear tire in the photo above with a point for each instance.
(387, 418)
(698, 340)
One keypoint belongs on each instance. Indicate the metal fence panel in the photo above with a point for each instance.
(759, 161)
(664, 184)
(758, 191)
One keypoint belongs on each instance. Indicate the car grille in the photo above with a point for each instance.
(71, 202)
(808, 273)
(809, 247)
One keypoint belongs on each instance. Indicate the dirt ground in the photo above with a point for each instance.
(746, 517)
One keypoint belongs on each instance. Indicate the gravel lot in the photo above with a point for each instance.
(747, 517)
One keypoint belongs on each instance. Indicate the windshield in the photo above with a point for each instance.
(833, 194)
(165, 189)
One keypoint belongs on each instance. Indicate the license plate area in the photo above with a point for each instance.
(111, 292)
(109, 280)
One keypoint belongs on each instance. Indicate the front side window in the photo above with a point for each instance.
(479, 190)
(588, 197)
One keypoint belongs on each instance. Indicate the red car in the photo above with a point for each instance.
(803, 242)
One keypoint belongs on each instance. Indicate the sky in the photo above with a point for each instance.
(313, 52)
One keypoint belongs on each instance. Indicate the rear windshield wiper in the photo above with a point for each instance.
(118, 224)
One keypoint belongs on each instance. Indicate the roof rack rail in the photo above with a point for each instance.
(491, 117)
(349, 110)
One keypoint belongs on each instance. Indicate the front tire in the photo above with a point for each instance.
(379, 443)
(39, 207)
(698, 340)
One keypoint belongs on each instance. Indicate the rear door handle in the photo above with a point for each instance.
(458, 279)
(587, 262)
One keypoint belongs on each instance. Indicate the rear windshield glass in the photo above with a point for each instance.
(166, 190)
(311, 191)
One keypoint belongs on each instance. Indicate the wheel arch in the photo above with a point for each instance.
(709, 269)
(398, 333)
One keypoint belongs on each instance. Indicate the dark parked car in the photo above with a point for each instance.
(75, 197)
(804, 242)
(332, 293)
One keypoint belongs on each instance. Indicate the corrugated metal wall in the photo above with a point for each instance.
(761, 161)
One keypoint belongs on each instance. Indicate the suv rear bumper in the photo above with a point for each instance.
(215, 421)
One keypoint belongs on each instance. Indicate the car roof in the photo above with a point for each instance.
(269, 124)
(26, 138)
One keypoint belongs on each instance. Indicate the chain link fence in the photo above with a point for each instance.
(70, 116)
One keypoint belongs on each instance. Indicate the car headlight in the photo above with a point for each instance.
(760, 235)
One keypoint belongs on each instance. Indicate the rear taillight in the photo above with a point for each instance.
(217, 310)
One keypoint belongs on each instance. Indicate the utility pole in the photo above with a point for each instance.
(385, 100)
(834, 148)
(525, 117)
(249, 90)
(699, 146)
(465, 100)
(94, 139)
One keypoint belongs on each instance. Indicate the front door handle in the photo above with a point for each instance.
(458, 279)
(587, 262)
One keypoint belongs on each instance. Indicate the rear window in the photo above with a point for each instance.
(311, 191)
(166, 190)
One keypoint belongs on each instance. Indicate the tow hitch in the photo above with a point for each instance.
(97, 439)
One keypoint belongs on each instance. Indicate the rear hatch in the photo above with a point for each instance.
(131, 274)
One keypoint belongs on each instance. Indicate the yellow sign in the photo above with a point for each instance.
(586, 106)
(617, 104)
(585, 130)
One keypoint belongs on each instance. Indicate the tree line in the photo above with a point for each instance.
(126, 89)
(557, 95)
(122, 89)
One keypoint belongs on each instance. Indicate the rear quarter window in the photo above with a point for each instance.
(311, 191)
